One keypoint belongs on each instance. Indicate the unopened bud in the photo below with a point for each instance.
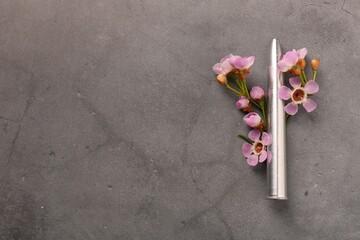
(244, 104)
(315, 63)
(257, 93)
(253, 120)
(221, 78)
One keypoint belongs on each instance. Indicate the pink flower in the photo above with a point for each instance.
(223, 67)
(244, 104)
(242, 63)
(229, 63)
(290, 59)
(299, 95)
(253, 120)
(257, 93)
(258, 150)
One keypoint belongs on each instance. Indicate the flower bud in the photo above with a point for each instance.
(257, 93)
(244, 104)
(221, 78)
(301, 63)
(253, 120)
(315, 63)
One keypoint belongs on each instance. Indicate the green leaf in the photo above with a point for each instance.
(245, 138)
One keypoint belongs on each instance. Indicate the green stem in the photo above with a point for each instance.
(247, 95)
(245, 138)
(242, 86)
(239, 84)
(232, 89)
(304, 75)
(302, 80)
(314, 74)
(246, 91)
(255, 103)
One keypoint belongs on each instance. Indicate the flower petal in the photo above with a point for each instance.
(252, 160)
(263, 156)
(233, 59)
(254, 135)
(226, 57)
(311, 87)
(266, 139)
(302, 52)
(226, 67)
(291, 108)
(246, 149)
(284, 93)
(243, 63)
(288, 61)
(309, 105)
(217, 68)
(282, 66)
(295, 82)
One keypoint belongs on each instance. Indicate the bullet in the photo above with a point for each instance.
(276, 167)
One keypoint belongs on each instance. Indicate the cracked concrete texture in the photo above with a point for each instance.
(113, 126)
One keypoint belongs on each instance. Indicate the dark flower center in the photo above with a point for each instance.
(298, 95)
(258, 147)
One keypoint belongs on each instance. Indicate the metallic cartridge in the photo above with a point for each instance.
(276, 167)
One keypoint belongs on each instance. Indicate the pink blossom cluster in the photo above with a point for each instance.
(302, 88)
(258, 140)
(234, 69)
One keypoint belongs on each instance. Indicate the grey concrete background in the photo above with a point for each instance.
(113, 126)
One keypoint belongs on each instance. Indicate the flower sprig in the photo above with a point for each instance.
(294, 63)
(232, 71)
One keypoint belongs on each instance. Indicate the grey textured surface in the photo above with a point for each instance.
(113, 126)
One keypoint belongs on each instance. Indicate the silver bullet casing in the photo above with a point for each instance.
(276, 167)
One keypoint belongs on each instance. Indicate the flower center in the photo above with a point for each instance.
(299, 95)
(258, 147)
